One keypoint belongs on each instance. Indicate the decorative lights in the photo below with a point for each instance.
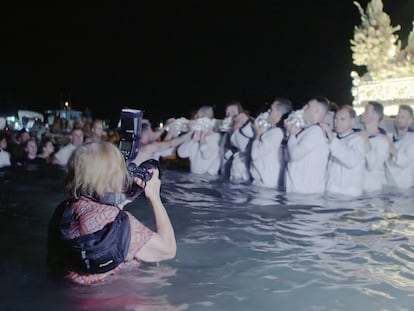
(389, 77)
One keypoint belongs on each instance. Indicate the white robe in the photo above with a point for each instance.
(266, 158)
(204, 158)
(241, 140)
(399, 171)
(308, 158)
(374, 173)
(346, 165)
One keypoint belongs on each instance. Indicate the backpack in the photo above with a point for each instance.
(97, 252)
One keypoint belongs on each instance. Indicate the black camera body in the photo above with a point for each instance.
(130, 134)
(142, 171)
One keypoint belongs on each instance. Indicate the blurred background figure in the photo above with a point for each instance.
(61, 157)
(5, 160)
(97, 131)
(46, 151)
(18, 144)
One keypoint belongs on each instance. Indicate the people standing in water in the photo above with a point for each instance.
(151, 148)
(308, 150)
(345, 174)
(203, 147)
(399, 167)
(267, 154)
(378, 148)
(96, 170)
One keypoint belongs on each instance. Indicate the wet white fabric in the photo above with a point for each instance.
(374, 173)
(266, 158)
(204, 158)
(346, 165)
(400, 170)
(308, 158)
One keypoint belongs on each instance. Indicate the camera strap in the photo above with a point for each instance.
(113, 198)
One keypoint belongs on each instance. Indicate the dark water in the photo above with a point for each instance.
(240, 247)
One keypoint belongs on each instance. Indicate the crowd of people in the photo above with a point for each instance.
(316, 149)
(319, 148)
(25, 149)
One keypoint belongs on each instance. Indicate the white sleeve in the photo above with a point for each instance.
(348, 155)
(311, 139)
(378, 154)
(268, 141)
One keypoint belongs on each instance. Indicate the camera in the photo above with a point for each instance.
(130, 132)
(142, 171)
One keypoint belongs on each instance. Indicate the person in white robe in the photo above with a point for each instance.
(308, 150)
(378, 148)
(346, 162)
(203, 151)
(203, 147)
(233, 109)
(267, 158)
(241, 140)
(399, 167)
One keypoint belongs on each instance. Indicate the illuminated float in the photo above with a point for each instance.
(389, 68)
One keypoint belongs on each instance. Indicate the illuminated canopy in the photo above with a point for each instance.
(389, 92)
(389, 77)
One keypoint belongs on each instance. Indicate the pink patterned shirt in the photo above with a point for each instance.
(92, 216)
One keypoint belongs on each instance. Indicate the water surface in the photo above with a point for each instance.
(240, 247)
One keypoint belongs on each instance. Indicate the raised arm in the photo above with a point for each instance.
(162, 245)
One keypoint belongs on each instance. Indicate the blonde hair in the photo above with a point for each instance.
(95, 168)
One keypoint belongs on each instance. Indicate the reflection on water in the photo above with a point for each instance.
(240, 247)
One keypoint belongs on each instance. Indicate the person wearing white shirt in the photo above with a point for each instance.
(151, 148)
(4, 154)
(267, 158)
(241, 140)
(226, 150)
(203, 147)
(399, 167)
(308, 150)
(346, 162)
(378, 148)
(62, 156)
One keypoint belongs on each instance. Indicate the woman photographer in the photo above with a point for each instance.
(110, 238)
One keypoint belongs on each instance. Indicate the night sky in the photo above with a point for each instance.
(168, 58)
